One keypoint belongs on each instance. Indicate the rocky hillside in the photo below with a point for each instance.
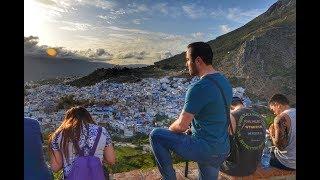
(260, 55)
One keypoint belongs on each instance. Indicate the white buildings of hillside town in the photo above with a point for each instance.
(135, 104)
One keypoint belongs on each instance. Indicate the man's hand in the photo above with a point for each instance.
(182, 123)
(188, 131)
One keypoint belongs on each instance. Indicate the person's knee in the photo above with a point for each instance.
(154, 133)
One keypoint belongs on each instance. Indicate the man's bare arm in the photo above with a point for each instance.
(271, 130)
(281, 131)
(182, 123)
(233, 125)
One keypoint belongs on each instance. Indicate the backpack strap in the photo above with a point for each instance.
(227, 109)
(81, 151)
(94, 147)
(232, 138)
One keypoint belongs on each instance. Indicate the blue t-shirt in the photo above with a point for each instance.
(35, 167)
(205, 101)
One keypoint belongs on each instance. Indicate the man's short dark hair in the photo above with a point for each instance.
(279, 98)
(202, 50)
(236, 101)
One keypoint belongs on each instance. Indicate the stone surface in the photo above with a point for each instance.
(153, 174)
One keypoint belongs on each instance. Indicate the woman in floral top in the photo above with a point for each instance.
(71, 136)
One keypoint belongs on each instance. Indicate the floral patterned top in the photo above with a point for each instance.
(105, 140)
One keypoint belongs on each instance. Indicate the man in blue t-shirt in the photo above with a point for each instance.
(205, 109)
(35, 167)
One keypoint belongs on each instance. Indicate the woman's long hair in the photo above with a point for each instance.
(71, 127)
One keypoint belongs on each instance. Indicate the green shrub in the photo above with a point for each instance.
(58, 175)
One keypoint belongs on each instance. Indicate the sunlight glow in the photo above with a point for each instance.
(33, 18)
(51, 52)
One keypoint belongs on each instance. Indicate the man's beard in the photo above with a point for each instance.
(193, 71)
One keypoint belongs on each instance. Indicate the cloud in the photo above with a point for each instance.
(112, 15)
(211, 36)
(98, 54)
(31, 47)
(142, 8)
(47, 2)
(217, 13)
(30, 42)
(117, 12)
(103, 17)
(236, 14)
(118, 43)
(224, 29)
(198, 35)
(136, 31)
(133, 55)
(88, 38)
(136, 21)
(193, 12)
(161, 7)
(65, 53)
(172, 37)
(137, 8)
(68, 28)
(108, 19)
(165, 55)
(159, 55)
(166, 10)
(58, 8)
(128, 41)
(102, 4)
(121, 36)
(128, 46)
(242, 16)
(75, 26)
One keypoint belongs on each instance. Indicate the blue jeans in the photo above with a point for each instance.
(163, 141)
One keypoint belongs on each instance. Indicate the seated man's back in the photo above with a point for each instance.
(247, 146)
(34, 163)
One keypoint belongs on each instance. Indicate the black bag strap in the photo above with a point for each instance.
(225, 103)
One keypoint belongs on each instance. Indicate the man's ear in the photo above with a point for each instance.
(199, 60)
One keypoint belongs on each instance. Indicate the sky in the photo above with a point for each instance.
(131, 32)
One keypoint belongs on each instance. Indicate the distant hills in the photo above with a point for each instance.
(44, 67)
(40, 67)
(260, 56)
